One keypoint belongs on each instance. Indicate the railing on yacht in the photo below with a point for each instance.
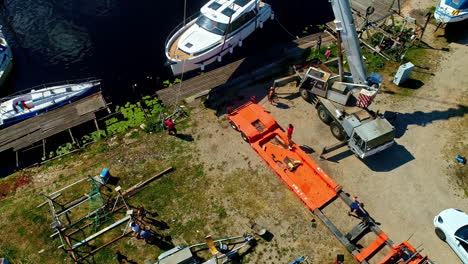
(48, 85)
(177, 28)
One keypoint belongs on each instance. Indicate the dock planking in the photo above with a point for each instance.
(37, 128)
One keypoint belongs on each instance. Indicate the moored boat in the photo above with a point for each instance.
(21, 106)
(448, 11)
(6, 59)
(221, 26)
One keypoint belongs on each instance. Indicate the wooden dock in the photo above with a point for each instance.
(38, 128)
(268, 62)
(247, 68)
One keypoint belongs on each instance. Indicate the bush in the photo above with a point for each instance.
(153, 124)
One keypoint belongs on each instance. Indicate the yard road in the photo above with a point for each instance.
(407, 185)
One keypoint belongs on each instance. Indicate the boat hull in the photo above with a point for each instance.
(220, 49)
(26, 115)
(447, 14)
(6, 73)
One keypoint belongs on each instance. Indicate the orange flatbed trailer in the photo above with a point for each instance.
(313, 186)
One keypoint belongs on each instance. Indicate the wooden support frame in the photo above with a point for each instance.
(78, 256)
(101, 232)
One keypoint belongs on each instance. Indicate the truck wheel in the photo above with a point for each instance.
(233, 126)
(245, 138)
(305, 94)
(323, 115)
(337, 132)
(440, 234)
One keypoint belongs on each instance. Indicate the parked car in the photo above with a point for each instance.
(451, 226)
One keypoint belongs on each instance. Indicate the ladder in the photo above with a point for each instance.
(97, 214)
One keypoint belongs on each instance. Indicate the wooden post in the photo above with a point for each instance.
(71, 135)
(44, 154)
(429, 15)
(96, 123)
(97, 126)
(17, 159)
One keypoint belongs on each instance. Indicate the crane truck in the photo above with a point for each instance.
(342, 100)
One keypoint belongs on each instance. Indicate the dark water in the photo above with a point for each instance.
(120, 41)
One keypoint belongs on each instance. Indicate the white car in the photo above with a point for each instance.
(451, 225)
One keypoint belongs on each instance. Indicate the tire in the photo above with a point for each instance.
(440, 234)
(233, 126)
(323, 115)
(305, 94)
(245, 138)
(337, 132)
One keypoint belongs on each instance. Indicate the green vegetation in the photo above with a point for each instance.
(312, 53)
(148, 111)
(134, 115)
(373, 62)
(168, 83)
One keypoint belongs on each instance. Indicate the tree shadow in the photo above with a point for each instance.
(281, 105)
(412, 84)
(342, 155)
(291, 96)
(161, 225)
(238, 257)
(162, 242)
(401, 121)
(185, 137)
(456, 32)
(307, 149)
(389, 159)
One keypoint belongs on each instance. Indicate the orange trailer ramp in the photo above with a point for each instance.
(302, 175)
(305, 178)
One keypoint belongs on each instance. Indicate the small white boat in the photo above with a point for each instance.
(448, 11)
(221, 26)
(16, 108)
(6, 58)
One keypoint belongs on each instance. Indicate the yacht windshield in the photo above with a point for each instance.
(462, 233)
(211, 26)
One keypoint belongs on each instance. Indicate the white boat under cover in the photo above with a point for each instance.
(6, 58)
(221, 26)
(448, 11)
(16, 108)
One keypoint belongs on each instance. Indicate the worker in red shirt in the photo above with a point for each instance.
(271, 95)
(290, 132)
(170, 125)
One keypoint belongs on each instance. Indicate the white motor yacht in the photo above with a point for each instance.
(221, 26)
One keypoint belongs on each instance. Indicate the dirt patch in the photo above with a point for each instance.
(12, 184)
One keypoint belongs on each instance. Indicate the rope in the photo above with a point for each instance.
(277, 20)
(183, 62)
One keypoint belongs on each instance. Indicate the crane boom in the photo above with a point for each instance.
(345, 26)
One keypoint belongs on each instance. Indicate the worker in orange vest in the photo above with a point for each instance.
(290, 132)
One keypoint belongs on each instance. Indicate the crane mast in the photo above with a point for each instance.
(345, 27)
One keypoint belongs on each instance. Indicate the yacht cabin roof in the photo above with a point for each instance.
(225, 11)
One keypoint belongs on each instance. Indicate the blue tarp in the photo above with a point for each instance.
(457, 4)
